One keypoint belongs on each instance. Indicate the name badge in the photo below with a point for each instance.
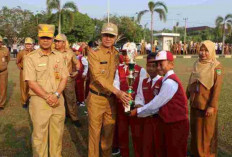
(105, 62)
(42, 65)
(145, 87)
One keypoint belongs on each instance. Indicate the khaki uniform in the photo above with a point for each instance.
(4, 60)
(204, 129)
(101, 109)
(48, 122)
(69, 92)
(24, 88)
(143, 49)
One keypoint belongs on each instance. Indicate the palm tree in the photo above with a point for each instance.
(158, 7)
(224, 24)
(56, 5)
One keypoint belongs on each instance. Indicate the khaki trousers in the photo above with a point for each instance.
(3, 87)
(102, 114)
(70, 99)
(203, 134)
(48, 127)
(24, 88)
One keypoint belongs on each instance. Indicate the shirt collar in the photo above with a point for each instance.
(154, 79)
(170, 72)
(107, 50)
(41, 54)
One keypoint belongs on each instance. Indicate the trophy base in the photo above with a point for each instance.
(128, 109)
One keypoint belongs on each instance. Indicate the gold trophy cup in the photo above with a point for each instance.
(130, 81)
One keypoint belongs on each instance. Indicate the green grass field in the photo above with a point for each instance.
(16, 128)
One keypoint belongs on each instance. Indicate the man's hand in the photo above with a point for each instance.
(124, 97)
(20, 68)
(133, 112)
(52, 100)
(210, 111)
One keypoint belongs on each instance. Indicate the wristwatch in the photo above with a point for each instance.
(57, 95)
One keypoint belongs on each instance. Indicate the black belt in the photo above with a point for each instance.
(100, 94)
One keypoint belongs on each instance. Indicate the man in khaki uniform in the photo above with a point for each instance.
(73, 65)
(23, 85)
(100, 102)
(46, 74)
(4, 60)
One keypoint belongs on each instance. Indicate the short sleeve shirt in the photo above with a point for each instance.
(20, 57)
(102, 64)
(70, 60)
(46, 70)
(4, 58)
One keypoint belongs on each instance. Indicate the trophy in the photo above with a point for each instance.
(130, 78)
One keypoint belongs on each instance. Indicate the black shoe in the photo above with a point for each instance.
(1, 108)
(115, 151)
(77, 123)
(25, 106)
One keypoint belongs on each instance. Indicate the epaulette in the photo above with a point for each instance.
(31, 53)
(96, 48)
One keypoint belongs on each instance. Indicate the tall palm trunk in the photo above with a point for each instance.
(152, 14)
(223, 38)
(59, 27)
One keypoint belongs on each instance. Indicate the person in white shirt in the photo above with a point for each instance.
(148, 48)
(147, 90)
(123, 121)
(171, 106)
(15, 49)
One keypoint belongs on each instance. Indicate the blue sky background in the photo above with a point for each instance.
(198, 12)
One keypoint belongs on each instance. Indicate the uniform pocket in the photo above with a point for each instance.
(103, 68)
(41, 72)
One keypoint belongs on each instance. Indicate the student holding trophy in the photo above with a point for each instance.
(127, 78)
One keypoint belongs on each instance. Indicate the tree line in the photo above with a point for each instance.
(16, 24)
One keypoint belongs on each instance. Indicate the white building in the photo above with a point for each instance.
(165, 40)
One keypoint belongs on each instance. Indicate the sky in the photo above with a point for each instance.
(198, 12)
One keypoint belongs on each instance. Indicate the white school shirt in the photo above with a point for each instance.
(85, 64)
(168, 90)
(143, 75)
(139, 98)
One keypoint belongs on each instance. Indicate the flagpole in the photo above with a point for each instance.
(108, 10)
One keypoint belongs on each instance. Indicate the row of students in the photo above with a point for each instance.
(159, 123)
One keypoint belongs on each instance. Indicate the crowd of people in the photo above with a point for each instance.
(56, 78)
(194, 48)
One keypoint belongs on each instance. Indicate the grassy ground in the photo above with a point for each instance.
(15, 125)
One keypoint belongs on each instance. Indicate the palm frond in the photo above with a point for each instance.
(219, 21)
(229, 16)
(140, 15)
(162, 5)
(120, 37)
(70, 5)
(52, 5)
(151, 6)
(229, 22)
(162, 14)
